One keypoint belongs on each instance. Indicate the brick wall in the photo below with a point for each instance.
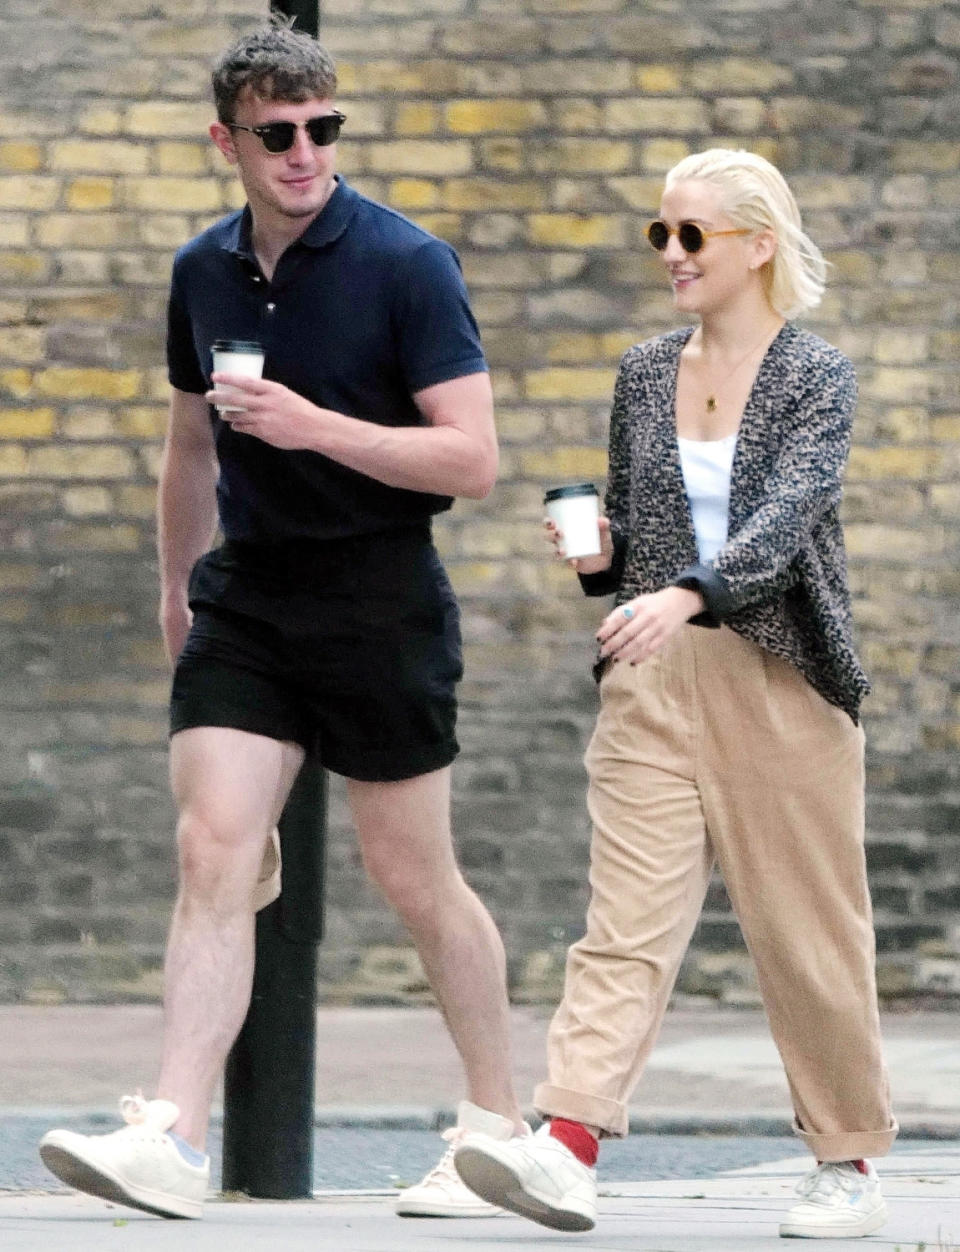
(534, 136)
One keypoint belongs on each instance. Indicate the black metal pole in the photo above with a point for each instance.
(268, 1080)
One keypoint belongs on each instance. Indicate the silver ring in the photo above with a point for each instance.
(627, 612)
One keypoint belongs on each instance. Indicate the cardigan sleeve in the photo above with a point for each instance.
(757, 562)
(617, 498)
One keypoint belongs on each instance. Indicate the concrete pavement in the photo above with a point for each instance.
(713, 1070)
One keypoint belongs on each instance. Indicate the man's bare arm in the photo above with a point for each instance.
(186, 509)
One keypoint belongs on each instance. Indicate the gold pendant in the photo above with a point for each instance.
(711, 404)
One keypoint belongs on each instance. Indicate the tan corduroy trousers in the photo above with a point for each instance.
(716, 750)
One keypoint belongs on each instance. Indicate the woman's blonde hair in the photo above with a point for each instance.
(756, 196)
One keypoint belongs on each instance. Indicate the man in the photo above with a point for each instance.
(325, 623)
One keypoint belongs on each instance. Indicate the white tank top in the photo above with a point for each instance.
(706, 465)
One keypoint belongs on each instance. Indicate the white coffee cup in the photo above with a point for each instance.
(575, 510)
(237, 356)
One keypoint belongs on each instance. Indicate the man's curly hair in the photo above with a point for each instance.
(275, 63)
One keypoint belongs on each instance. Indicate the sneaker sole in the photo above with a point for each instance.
(94, 1180)
(499, 1185)
(872, 1222)
(423, 1208)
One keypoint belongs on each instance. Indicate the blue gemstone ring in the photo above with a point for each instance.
(627, 612)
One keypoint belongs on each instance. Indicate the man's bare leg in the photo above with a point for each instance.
(230, 788)
(405, 840)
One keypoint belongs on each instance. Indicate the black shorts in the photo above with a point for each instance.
(350, 648)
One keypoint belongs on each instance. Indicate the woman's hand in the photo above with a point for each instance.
(636, 630)
(584, 564)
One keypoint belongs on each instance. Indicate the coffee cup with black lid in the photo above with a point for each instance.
(237, 356)
(575, 511)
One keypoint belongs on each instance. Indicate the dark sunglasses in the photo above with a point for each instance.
(691, 237)
(280, 136)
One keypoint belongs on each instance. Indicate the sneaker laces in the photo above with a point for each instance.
(827, 1177)
(444, 1170)
(151, 1115)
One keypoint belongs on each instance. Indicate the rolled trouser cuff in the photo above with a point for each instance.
(577, 1106)
(848, 1145)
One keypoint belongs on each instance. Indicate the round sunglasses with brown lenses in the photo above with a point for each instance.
(691, 236)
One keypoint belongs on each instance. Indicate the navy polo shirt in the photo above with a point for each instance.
(365, 309)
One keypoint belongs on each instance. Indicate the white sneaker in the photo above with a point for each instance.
(537, 1177)
(139, 1165)
(441, 1193)
(837, 1200)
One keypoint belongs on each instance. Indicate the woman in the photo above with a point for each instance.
(729, 723)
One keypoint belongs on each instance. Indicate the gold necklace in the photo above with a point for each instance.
(712, 397)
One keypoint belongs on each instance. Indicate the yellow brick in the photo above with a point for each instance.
(81, 461)
(399, 78)
(673, 116)
(164, 119)
(113, 537)
(137, 501)
(20, 157)
(479, 117)
(16, 382)
(163, 195)
(818, 191)
(447, 226)
(738, 74)
(99, 119)
(932, 156)
(660, 155)
(569, 384)
(741, 114)
(572, 114)
(409, 194)
(13, 461)
(85, 194)
(898, 385)
(87, 501)
(571, 346)
(892, 543)
(556, 464)
(27, 423)
(183, 158)
(572, 230)
(89, 423)
(508, 156)
(876, 464)
(23, 343)
(420, 156)
(68, 383)
(91, 230)
(419, 117)
(100, 156)
(484, 194)
(657, 80)
(164, 231)
(946, 429)
(641, 194)
(614, 343)
(14, 230)
(583, 156)
(900, 347)
(142, 422)
(28, 191)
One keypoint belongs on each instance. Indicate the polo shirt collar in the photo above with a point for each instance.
(329, 224)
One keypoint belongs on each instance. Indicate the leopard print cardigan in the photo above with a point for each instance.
(780, 580)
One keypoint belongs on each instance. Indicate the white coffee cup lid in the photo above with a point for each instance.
(574, 489)
(237, 345)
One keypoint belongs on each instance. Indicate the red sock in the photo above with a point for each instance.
(860, 1165)
(577, 1138)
